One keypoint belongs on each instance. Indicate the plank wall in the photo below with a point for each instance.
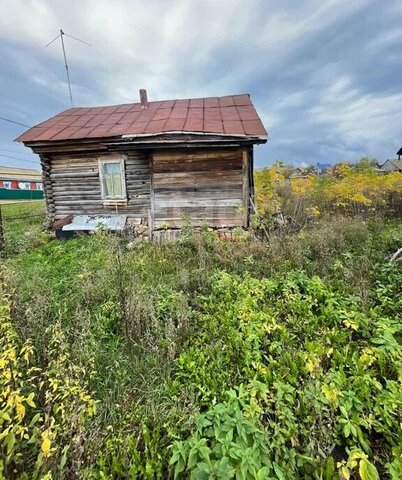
(203, 186)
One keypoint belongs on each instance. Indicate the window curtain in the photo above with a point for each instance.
(112, 180)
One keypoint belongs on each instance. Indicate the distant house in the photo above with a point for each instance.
(153, 163)
(295, 173)
(391, 165)
(20, 184)
(292, 173)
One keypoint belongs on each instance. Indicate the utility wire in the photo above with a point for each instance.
(18, 158)
(8, 151)
(12, 121)
(13, 156)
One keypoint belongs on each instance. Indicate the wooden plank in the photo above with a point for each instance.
(230, 188)
(196, 154)
(75, 188)
(160, 179)
(198, 212)
(66, 166)
(198, 222)
(79, 174)
(204, 202)
(198, 166)
(60, 199)
(199, 197)
(195, 161)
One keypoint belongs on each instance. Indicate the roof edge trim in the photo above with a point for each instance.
(184, 132)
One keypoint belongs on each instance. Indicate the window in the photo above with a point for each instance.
(7, 185)
(24, 185)
(113, 185)
(39, 186)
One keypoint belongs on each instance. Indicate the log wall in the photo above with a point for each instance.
(164, 186)
(74, 185)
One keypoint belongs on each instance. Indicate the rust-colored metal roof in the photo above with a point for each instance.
(230, 115)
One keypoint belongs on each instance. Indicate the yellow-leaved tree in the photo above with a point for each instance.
(346, 188)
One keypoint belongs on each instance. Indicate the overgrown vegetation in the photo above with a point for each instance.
(203, 358)
(346, 189)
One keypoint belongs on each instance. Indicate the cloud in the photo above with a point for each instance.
(325, 76)
(368, 121)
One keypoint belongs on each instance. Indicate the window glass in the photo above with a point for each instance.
(112, 179)
(111, 168)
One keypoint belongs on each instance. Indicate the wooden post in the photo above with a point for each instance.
(151, 215)
(246, 188)
(2, 243)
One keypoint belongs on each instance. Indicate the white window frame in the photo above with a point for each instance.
(120, 161)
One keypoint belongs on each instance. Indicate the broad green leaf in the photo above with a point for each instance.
(279, 472)
(367, 470)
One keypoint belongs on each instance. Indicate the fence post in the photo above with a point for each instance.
(1, 231)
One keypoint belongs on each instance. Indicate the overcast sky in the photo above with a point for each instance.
(325, 76)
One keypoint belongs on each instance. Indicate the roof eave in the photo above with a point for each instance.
(201, 137)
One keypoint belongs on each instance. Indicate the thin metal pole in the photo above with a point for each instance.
(65, 64)
(2, 242)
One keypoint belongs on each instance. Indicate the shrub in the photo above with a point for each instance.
(321, 373)
(44, 412)
(347, 189)
(227, 443)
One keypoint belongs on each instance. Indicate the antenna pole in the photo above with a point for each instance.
(61, 35)
(65, 64)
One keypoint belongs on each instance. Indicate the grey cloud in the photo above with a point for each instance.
(324, 75)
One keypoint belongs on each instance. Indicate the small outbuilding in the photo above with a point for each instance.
(152, 163)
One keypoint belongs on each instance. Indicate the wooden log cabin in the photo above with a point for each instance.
(155, 163)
